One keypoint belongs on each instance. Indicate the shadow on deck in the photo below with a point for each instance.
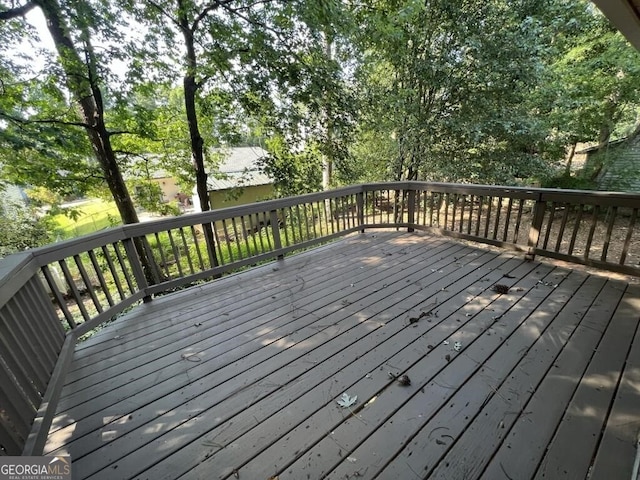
(239, 378)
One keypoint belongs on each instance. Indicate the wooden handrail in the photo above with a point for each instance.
(85, 281)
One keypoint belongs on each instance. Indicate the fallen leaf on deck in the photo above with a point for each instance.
(499, 288)
(345, 401)
(404, 380)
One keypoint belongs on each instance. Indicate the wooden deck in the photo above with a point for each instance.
(239, 378)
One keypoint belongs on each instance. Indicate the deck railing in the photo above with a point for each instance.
(52, 296)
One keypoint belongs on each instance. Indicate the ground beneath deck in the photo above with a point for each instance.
(241, 378)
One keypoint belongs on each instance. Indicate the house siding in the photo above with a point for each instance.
(620, 166)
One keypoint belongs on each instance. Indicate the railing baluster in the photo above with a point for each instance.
(563, 224)
(75, 293)
(87, 283)
(218, 245)
(62, 304)
(275, 230)
(101, 279)
(552, 215)
(594, 222)
(136, 266)
(196, 243)
(479, 221)
(516, 230)
(235, 236)
(227, 240)
(612, 213)
(454, 211)
(507, 220)
(536, 225)
(176, 253)
(186, 250)
(497, 221)
(123, 267)
(488, 219)
(627, 240)
(164, 265)
(299, 220)
(446, 211)
(114, 272)
(411, 212)
(576, 229)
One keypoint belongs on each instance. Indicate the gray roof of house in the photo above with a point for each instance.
(240, 168)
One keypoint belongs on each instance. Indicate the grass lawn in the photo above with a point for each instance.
(95, 215)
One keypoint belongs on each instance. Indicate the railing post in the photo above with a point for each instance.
(275, 230)
(136, 266)
(411, 210)
(360, 209)
(536, 226)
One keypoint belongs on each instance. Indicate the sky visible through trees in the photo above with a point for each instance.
(480, 91)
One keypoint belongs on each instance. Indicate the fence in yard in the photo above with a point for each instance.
(51, 296)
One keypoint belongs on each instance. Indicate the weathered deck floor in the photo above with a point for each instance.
(239, 379)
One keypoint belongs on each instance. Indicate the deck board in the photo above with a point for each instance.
(240, 376)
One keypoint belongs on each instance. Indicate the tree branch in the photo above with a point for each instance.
(17, 11)
(23, 121)
(164, 13)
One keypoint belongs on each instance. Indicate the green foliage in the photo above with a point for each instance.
(593, 82)
(446, 85)
(22, 228)
(570, 182)
(293, 172)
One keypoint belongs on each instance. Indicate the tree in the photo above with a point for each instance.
(448, 85)
(82, 79)
(70, 26)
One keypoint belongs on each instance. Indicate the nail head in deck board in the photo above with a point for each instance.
(301, 390)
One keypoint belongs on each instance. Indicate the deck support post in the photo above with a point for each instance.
(360, 209)
(536, 227)
(275, 230)
(136, 266)
(411, 209)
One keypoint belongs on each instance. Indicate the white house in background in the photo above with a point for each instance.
(240, 180)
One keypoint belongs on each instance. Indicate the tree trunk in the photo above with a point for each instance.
(327, 162)
(567, 170)
(82, 84)
(87, 93)
(197, 142)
